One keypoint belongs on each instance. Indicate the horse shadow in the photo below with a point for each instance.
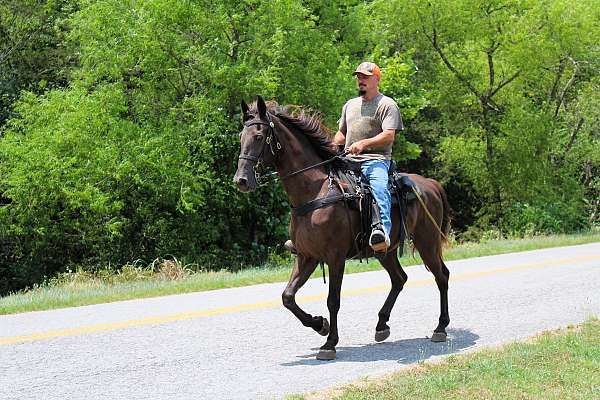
(404, 351)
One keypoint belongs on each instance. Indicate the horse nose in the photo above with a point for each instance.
(241, 182)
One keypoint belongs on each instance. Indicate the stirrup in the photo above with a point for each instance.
(379, 241)
(289, 246)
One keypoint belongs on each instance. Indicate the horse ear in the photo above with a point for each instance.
(262, 107)
(245, 107)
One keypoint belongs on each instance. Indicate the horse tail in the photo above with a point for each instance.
(446, 216)
(444, 227)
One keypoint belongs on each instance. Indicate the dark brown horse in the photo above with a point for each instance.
(291, 142)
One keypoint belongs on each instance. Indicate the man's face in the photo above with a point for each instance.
(366, 83)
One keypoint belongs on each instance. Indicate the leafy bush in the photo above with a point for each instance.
(125, 145)
(523, 219)
(93, 188)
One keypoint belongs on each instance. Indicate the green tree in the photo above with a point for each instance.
(134, 159)
(497, 75)
(32, 54)
(119, 119)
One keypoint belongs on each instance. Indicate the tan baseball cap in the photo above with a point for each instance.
(368, 68)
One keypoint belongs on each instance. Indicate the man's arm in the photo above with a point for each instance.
(339, 138)
(380, 140)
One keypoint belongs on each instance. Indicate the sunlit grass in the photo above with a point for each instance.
(563, 364)
(135, 281)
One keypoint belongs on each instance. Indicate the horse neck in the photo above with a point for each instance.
(299, 153)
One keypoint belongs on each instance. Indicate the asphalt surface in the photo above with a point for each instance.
(242, 344)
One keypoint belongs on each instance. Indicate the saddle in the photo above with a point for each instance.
(355, 187)
(356, 194)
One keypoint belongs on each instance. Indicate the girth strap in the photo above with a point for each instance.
(320, 203)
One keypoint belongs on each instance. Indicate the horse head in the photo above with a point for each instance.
(258, 144)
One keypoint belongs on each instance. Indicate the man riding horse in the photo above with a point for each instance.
(298, 147)
(367, 129)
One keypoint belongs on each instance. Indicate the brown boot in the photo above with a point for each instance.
(289, 245)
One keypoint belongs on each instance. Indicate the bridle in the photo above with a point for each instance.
(271, 140)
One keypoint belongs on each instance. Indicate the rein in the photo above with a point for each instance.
(329, 160)
(267, 177)
(269, 140)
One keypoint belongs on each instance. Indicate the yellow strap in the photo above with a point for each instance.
(428, 213)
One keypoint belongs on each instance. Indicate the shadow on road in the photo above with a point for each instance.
(405, 351)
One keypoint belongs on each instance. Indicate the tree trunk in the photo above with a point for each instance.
(491, 162)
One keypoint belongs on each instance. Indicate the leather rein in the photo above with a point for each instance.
(271, 139)
(274, 144)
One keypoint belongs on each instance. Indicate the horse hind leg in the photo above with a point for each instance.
(398, 278)
(439, 333)
(432, 258)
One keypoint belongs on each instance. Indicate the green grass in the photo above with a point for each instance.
(132, 282)
(563, 364)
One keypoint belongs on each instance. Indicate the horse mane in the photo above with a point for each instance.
(307, 122)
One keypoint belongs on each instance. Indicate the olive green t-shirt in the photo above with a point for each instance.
(365, 119)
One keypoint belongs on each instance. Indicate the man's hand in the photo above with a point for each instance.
(357, 147)
(383, 139)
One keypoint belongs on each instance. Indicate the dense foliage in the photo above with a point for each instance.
(119, 119)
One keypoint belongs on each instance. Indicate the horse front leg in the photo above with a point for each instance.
(303, 268)
(336, 274)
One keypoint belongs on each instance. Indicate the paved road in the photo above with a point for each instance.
(241, 343)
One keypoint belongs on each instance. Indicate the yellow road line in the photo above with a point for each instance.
(271, 304)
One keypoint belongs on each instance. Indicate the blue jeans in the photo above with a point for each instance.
(376, 172)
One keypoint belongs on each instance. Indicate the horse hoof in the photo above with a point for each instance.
(326, 355)
(380, 336)
(438, 337)
(325, 329)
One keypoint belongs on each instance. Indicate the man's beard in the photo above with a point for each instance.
(362, 92)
